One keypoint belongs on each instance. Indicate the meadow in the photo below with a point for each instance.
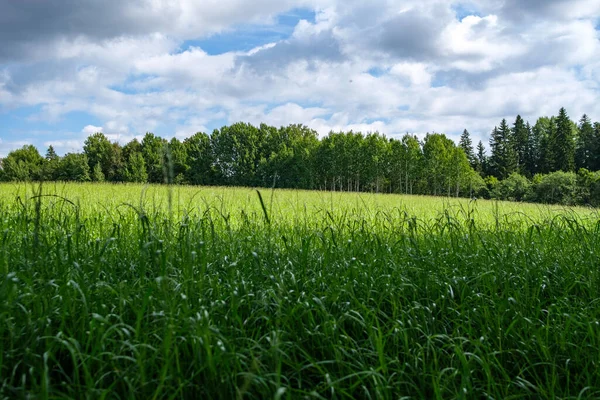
(170, 292)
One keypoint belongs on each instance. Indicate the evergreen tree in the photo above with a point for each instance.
(562, 144)
(503, 160)
(520, 140)
(466, 144)
(596, 155)
(541, 135)
(51, 154)
(50, 168)
(482, 162)
(587, 146)
(496, 150)
(530, 153)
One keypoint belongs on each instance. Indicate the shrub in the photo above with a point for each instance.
(515, 188)
(557, 187)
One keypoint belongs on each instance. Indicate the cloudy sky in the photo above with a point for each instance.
(175, 67)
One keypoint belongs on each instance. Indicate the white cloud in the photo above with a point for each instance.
(418, 74)
(91, 129)
(436, 72)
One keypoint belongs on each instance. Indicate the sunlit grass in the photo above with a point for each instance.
(125, 291)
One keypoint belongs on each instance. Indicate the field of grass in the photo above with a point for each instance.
(125, 291)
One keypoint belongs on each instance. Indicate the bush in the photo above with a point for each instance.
(588, 187)
(515, 188)
(491, 182)
(474, 185)
(556, 188)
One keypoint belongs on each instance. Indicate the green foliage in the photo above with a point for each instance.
(97, 174)
(504, 158)
(466, 144)
(24, 164)
(438, 153)
(287, 159)
(587, 145)
(74, 167)
(562, 144)
(100, 151)
(482, 160)
(153, 151)
(520, 138)
(491, 183)
(136, 170)
(406, 165)
(199, 159)
(51, 165)
(176, 161)
(542, 132)
(557, 188)
(515, 188)
(237, 153)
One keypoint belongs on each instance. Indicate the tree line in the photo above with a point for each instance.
(524, 161)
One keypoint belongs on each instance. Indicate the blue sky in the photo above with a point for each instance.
(178, 67)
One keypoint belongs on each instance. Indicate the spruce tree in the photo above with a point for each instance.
(520, 139)
(481, 159)
(51, 165)
(496, 152)
(586, 147)
(596, 155)
(531, 153)
(543, 134)
(466, 144)
(503, 160)
(51, 154)
(562, 144)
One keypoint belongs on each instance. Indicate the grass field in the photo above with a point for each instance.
(125, 291)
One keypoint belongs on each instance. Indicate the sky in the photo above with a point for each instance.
(69, 68)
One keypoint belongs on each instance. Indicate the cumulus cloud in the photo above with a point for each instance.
(91, 129)
(413, 66)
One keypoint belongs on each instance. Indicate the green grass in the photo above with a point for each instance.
(166, 293)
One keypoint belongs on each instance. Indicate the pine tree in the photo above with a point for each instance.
(51, 164)
(466, 144)
(481, 159)
(596, 155)
(530, 152)
(496, 152)
(520, 140)
(503, 160)
(542, 133)
(51, 154)
(562, 144)
(586, 147)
